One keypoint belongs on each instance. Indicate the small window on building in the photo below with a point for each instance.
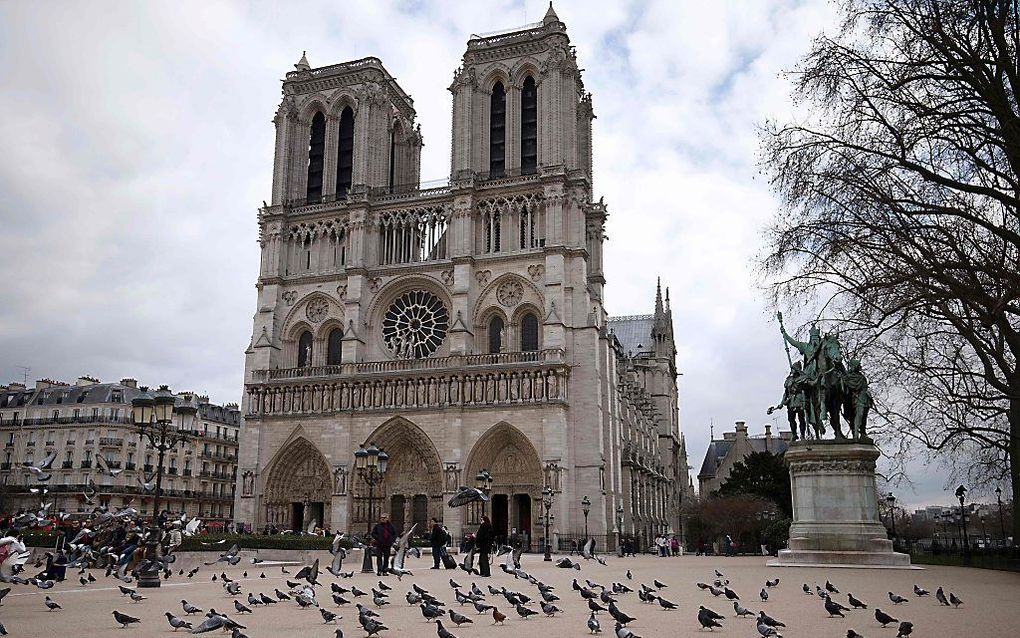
(529, 126)
(345, 153)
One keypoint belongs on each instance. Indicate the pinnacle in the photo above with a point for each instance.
(302, 64)
(550, 15)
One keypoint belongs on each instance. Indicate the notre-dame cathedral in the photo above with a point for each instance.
(459, 327)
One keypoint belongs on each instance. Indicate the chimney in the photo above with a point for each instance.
(17, 386)
(86, 380)
(768, 437)
(741, 429)
(128, 382)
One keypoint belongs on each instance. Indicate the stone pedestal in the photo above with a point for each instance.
(835, 508)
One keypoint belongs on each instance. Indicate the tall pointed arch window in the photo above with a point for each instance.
(495, 334)
(529, 126)
(316, 150)
(345, 153)
(334, 347)
(304, 355)
(497, 131)
(529, 333)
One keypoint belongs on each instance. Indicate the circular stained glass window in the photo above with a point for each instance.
(415, 324)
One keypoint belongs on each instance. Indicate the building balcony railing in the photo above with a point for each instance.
(172, 471)
(30, 444)
(187, 472)
(86, 465)
(114, 465)
(147, 467)
(90, 441)
(5, 466)
(67, 465)
(70, 420)
(129, 465)
(9, 444)
(110, 442)
(69, 442)
(553, 355)
(50, 443)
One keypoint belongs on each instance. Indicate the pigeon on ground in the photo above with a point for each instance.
(850, 633)
(941, 596)
(666, 605)
(123, 619)
(125, 591)
(764, 595)
(459, 619)
(176, 622)
(897, 599)
(956, 602)
(741, 611)
(856, 604)
(137, 598)
(51, 604)
(524, 612)
(497, 616)
(834, 609)
(769, 620)
(807, 589)
(593, 623)
(767, 632)
(708, 618)
(241, 609)
(328, 616)
(732, 595)
(772, 583)
(884, 618)
(266, 599)
(920, 591)
(442, 631)
(829, 587)
(906, 628)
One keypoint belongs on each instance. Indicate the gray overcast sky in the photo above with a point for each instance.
(136, 144)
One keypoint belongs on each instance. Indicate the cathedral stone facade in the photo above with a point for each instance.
(458, 327)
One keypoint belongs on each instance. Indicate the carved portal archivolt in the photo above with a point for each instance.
(518, 478)
(299, 485)
(412, 488)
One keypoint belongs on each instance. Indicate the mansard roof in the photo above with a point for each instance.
(718, 450)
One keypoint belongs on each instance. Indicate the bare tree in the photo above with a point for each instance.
(901, 185)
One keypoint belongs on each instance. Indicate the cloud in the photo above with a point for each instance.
(138, 145)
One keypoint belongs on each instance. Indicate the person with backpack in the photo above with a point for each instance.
(383, 537)
(437, 541)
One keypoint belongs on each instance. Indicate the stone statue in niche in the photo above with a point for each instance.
(340, 480)
(248, 483)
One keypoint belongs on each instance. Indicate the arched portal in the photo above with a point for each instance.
(412, 488)
(298, 488)
(517, 485)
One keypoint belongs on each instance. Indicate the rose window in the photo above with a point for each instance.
(415, 324)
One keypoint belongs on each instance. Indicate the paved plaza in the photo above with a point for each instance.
(990, 598)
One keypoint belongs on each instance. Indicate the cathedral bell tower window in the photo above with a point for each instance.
(529, 126)
(345, 154)
(497, 131)
(316, 151)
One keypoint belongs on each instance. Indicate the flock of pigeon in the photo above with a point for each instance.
(468, 603)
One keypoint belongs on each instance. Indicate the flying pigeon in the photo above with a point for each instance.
(39, 469)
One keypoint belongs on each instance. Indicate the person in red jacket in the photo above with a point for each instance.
(383, 537)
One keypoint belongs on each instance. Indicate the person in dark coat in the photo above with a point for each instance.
(484, 538)
(437, 541)
(383, 537)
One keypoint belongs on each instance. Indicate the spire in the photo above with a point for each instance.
(302, 64)
(658, 297)
(668, 309)
(550, 15)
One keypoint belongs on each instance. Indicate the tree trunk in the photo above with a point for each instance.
(1012, 460)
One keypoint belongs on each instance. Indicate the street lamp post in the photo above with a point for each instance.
(153, 415)
(547, 496)
(370, 464)
(891, 500)
(585, 507)
(483, 481)
(984, 536)
(1002, 525)
(961, 493)
(619, 529)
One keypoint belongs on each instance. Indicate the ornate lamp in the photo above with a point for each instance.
(547, 501)
(586, 508)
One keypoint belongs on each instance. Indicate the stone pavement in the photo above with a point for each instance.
(991, 601)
